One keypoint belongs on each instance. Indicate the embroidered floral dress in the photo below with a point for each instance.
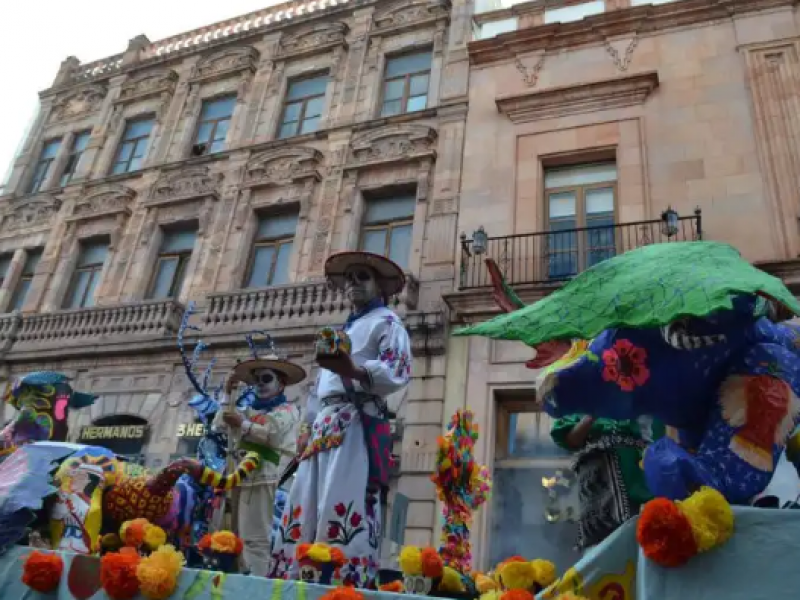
(274, 428)
(331, 500)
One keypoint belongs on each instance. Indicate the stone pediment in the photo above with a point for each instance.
(557, 102)
(78, 103)
(27, 214)
(102, 202)
(392, 144)
(226, 62)
(285, 165)
(316, 38)
(407, 14)
(186, 184)
(147, 84)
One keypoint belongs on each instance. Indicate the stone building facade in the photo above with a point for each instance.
(222, 166)
(588, 120)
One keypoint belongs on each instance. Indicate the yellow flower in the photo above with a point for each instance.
(154, 537)
(158, 573)
(411, 561)
(320, 553)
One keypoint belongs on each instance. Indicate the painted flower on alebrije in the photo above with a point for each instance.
(577, 351)
(625, 365)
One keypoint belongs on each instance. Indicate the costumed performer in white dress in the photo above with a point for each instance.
(345, 441)
(261, 421)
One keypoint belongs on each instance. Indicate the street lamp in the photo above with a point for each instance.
(669, 222)
(479, 239)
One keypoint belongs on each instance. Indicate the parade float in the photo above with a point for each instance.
(688, 333)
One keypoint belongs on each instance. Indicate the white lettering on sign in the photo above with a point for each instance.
(123, 432)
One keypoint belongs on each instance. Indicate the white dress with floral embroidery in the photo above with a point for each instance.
(330, 501)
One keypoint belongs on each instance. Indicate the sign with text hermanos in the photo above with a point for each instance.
(115, 432)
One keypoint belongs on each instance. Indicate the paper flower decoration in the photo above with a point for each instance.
(671, 533)
(118, 574)
(158, 573)
(42, 571)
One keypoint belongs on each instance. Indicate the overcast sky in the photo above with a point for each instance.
(38, 34)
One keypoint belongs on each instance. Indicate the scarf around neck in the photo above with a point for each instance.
(368, 308)
(268, 404)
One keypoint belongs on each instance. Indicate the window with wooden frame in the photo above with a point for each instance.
(405, 83)
(212, 128)
(43, 165)
(26, 278)
(91, 258)
(522, 519)
(302, 109)
(174, 255)
(5, 265)
(580, 203)
(272, 250)
(388, 226)
(79, 143)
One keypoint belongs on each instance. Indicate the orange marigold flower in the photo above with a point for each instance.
(432, 564)
(665, 534)
(118, 574)
(343, 593)
(302, 550)
(224, 542)
(42, 571)
(516, 595)
(337, 557)
(395, 587)
(204, 543)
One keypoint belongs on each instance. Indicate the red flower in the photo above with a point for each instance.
(664, 533)
(297, 512)
(355, 520)
(340, 509)
(625, 365)
(295, 534)
(333, 531)
(42, 571)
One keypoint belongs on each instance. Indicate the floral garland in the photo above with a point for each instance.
(462, 485)
(42, 571)
(671, 533)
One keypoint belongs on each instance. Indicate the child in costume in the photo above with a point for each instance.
(345, 441)
(265, 423)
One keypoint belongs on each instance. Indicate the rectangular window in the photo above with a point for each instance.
(524, 519)
(5, 265)
(494, 28)
(25, 279)
(215, 118)
(574, 12)
(43, 166)
(388, 226)
(133, 146)
(79, 143)
(580, 203)
(405, 86)
(91, 259)
(302, 109)
(173, 258)
(269, 264)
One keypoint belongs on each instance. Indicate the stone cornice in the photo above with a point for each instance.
(787, 270)
(561, 101)
(476, 305)
(598, 28)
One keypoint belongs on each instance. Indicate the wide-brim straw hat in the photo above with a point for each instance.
(391, 278)
(245, 370)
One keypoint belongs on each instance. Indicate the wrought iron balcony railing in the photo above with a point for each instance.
(558, 255)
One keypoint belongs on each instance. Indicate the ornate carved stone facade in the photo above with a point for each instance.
(123, 346)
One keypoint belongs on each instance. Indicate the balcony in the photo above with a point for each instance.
(542, 261)
(293, 312)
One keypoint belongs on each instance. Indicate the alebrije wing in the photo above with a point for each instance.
(646, 287)
(505, 297)
(23, 480)
(13, 527)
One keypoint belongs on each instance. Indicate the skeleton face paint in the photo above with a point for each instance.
(361, 285)
(268, 383)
